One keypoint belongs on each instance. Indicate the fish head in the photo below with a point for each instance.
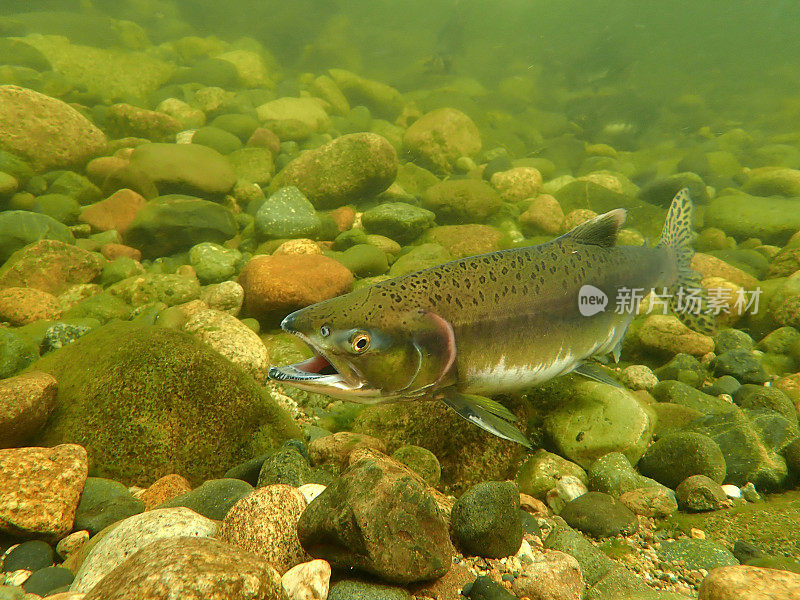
(368, 355)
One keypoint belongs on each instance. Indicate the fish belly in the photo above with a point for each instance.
(533, 355)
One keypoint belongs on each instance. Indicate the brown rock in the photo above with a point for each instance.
(25, 403)
(543, 215)
(533, 505)
(67, 596)
(190, 568)
(112, 251)
(265, 138)
(48, 133)
(439, 138)
(40, 489)
(742, 582)
(21, 306)
(711, 266)
(163, 489)
(343, 217)
(115, 212)
(291, 281)
(447, 587)
(553, 575)
(50, 266)
(335, 449)
(578, 216)
(265, 522)
(125, 120)
(99, 169)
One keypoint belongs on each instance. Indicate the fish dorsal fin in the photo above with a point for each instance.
(599, 231)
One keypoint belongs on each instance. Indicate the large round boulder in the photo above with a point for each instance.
(47, 132)
(148, 401)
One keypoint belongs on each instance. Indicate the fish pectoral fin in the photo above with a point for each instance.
(596, 372)
(486, 414)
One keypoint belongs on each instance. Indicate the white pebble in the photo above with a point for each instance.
(308, 580)
(311, 491)
(732, 491)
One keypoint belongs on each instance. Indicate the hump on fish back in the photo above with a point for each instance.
(599, 231)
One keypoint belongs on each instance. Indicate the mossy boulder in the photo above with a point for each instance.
(146, 402)
(461, 201)
(348, 169)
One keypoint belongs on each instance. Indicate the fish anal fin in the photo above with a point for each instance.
(602, 230)
(596, 373)
(486, 414)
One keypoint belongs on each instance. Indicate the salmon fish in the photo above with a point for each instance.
(492, 323)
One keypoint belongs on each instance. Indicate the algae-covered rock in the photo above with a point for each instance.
(174, 223)
(674, 457)
(772, 219)
(47, 132)
(461, 201)
(593, 419)
(49, 265)
(418, 258)
(349, 168)
(438, 138)
(19, 228)
(486, 520)
(600, 515)
(465, 240)
(149, 401)
(397, 220)
(541, 471)
(184, 168)
(294, 118)
(467, 454)
(287, 214)
(379, 518)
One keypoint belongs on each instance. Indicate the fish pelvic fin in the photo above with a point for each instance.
(486, 414)
(595, 372)
(688, 299)
(602, 230)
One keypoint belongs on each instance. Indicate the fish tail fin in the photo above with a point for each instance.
(688, 299)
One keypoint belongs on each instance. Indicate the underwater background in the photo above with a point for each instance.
(177, 176)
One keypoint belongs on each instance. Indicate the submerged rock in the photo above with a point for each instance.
(439, 138)
(351, 167)
(378, 518)
(139, 400)
(192, 568)
(47, 132)
(486, 520)
(26, 402)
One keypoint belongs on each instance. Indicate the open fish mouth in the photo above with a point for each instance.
(322, 375)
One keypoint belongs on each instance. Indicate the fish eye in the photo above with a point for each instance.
(324, 331)
(359, 341)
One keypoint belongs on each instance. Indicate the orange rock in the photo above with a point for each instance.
(40, 488)
(25, 403)
(115, 212)
(100, 168)
(286, 282)
(344, 216)
(166, 488)
(112, 251)
(50, 266)
(711, 266)
(20, 306)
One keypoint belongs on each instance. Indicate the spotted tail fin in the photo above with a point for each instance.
(688, 299)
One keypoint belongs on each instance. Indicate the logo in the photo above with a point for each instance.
(591, 300)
